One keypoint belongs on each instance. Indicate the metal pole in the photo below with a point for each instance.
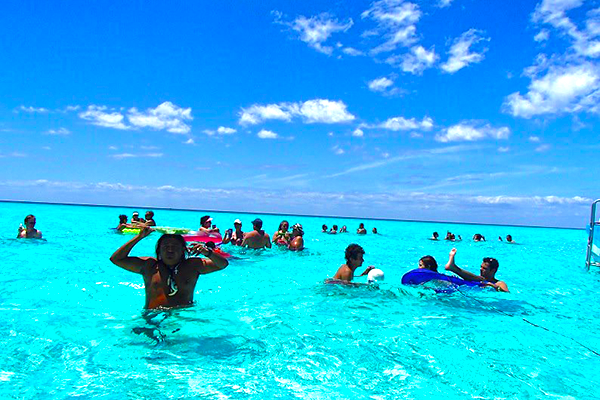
(591, 235)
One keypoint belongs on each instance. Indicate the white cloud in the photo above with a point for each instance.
(32, 110)
(167, 116)
(471, 131)
(189, 141)
(444, 3)
(358, 133)
(542, 148)
(130, 155)
(338, 150)
(542, 36)
(396, 21)
(97, 115)
(222, 130)
(311, 111)
(266, 134)
(257, 114)
(402, 124)
(460, 52)
(534, 139)
(380, 84)
(59, 131)
(418, 60)
(325, 111)
(350, 51)
(316, 30)
(503, 149)
(568, 89)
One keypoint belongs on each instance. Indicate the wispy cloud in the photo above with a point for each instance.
(406, 124)
(461, 54)
(380, 84)
(311, 111)
(59, 131)
(316, 30)
(396, 22)
(403, 157)
(33, 110)
(130, 155)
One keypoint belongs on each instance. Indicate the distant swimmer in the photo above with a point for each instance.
(149, 217)
(205, 225)
(297, 240)
(343, 229)
(257, 239)
(354, 259)
(361, 229)
(28, 231)
(324, 228)
(374, 231)
(282, 236)
(487, 272)
(450, 236)
(334, 230)
(435, 236)
(235, 237)
(509, 239)
(478, 237)
(171, 276)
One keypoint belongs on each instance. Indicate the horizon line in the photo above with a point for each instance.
(286, 214)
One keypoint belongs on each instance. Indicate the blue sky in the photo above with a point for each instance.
(456, 110)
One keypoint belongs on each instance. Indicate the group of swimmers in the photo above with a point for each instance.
(136, 221)
(478, 237)
(361, 230)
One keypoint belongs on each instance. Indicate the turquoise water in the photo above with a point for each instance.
(267, 327)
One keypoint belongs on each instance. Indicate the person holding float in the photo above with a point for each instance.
(171, 276)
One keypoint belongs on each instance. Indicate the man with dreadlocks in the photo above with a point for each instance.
(171, 277)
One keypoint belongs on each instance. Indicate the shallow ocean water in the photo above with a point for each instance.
(267, 327)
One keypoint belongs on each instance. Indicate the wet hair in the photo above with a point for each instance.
(435, 234)
(335, 227)
(493, 263)
(123, 219)
(29, 217)
(324, 227)
(283, 222)
(353, 251)
(429, 263)
(361, 225)
(509, 237)
(178, 238)
(151, 213)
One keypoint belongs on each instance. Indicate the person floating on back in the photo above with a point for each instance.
(28, 231)
(487, 272)
(257, 239)
(171, 277)
(354, 259)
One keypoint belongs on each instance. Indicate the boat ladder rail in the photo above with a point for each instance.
(591, 254)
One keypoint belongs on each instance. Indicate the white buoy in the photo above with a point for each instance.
(375, 275)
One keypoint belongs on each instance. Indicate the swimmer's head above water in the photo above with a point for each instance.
(428, 262)
(171, 249)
